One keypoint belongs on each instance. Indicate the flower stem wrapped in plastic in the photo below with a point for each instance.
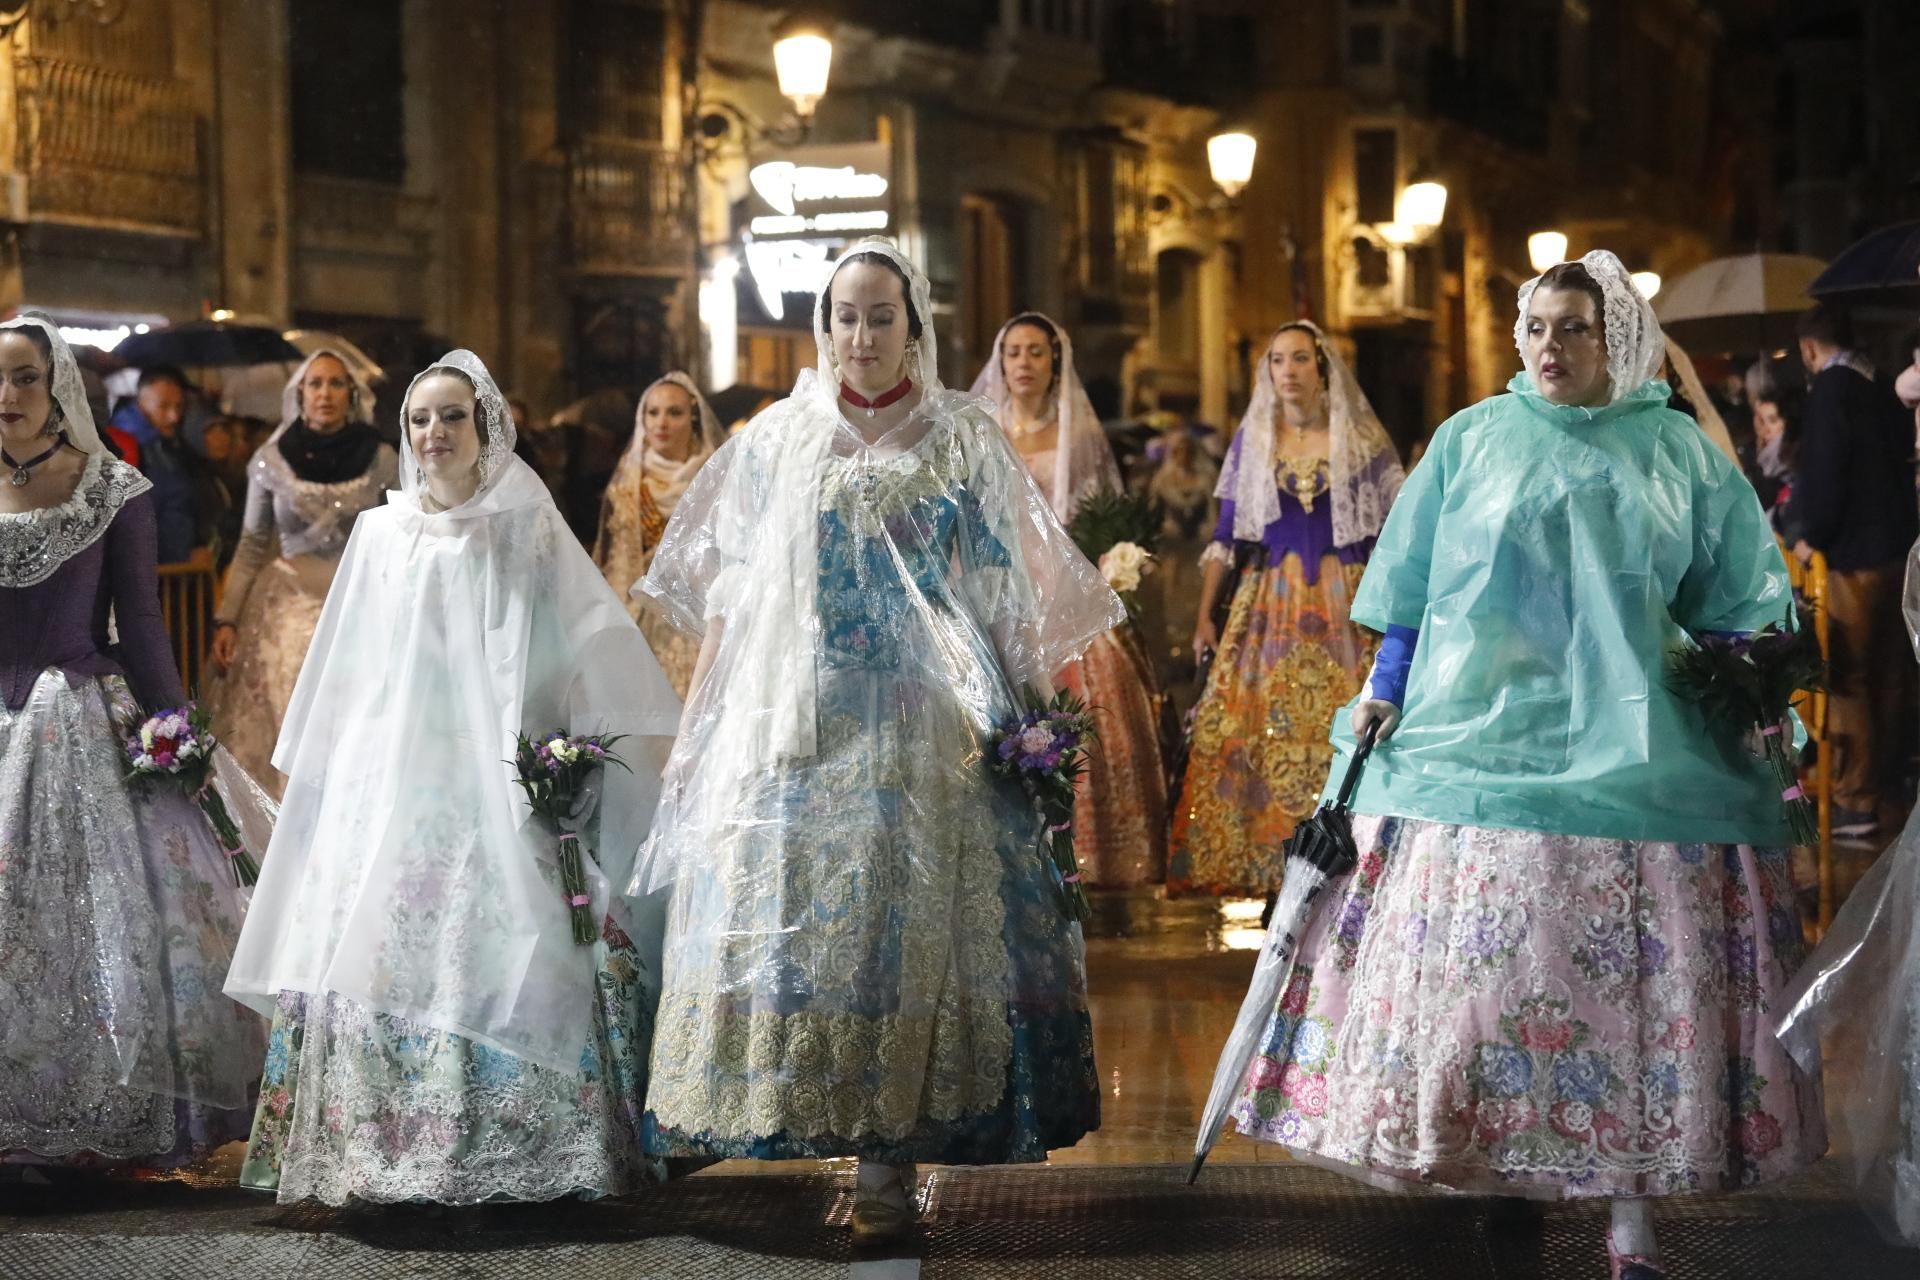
(557, 770)
(1046, 749)
(175, 748)
(1746, 684)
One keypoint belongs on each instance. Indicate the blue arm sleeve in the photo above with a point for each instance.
(1392, 664)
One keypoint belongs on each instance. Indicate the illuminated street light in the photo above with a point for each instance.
(1546, 249)
(1648, 283)
(1230, 159)
(802, 58)
(1422, 206)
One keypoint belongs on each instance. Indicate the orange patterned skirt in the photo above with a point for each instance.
(1288, 661)
(1120, 804)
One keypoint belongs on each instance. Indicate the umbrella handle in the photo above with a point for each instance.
(1360, 754)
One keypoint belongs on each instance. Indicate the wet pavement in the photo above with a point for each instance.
(1166, 981)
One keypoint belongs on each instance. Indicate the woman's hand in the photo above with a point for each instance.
(1802, 552)
(1368, 710)
(1206, 637)
(226, 646)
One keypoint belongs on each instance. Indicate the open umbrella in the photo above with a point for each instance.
(1749, 302)
(1319, 849)
(206, 342)
(1886, 262)
(359, 363)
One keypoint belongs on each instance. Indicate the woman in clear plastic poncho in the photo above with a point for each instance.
(118, 912)
(1860, 991)
(866, 956)
(305, 487)
(1551, 972)
(1120, 807)
(437, 1033)
(674, 433)
(1308, 480)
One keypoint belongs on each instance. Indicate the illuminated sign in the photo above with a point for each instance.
(804, 207)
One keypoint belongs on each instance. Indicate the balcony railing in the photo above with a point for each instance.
(627, 207)
(106, 147)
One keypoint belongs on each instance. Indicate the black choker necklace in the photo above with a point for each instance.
(23, 471)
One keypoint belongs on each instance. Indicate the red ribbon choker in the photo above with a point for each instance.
(879, 402)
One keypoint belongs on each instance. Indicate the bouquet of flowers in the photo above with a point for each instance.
(175, 748)
(1118, 532)
(1046, 749)
(558, 771)
(1745, 684)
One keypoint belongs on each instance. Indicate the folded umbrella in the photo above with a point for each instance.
(1319, 849)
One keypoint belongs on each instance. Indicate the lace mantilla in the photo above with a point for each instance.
(34, 544)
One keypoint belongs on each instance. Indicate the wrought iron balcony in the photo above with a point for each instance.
(628, 211)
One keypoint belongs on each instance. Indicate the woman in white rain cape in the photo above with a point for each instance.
(1860, 990)
(437, 1033)
(674, 433)
(1120, 806)
(866, 954)
(118, 912)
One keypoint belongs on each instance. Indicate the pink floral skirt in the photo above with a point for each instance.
(1527, 1014)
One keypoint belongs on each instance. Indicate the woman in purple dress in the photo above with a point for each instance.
(118, 913)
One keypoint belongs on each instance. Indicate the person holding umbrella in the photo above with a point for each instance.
(1550, 972)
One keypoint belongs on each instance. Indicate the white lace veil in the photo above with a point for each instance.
(495, 420)
(708, 434)
(362, 395)
(1083, 462)
(1636, 348)
(1364, 471)
(922, 352)
(68, 391)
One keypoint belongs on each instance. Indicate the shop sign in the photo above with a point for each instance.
(806, 204)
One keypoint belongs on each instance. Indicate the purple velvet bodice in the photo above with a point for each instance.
(1307, 534)
(60, 622)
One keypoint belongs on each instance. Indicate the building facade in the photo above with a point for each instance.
(567, 185)
(508, 175)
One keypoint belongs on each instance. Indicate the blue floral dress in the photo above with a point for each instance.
(874, 961)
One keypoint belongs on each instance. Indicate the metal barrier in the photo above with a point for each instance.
(1810, 582)
(188, 594)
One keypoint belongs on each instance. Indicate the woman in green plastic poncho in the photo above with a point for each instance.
(1550, 973)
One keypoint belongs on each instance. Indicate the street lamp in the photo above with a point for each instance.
(802, 59)
(1422, 206)
(1230, 159)
(1546, 249)
(1648, 283)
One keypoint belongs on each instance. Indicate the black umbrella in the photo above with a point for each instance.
(207, 342)
(1318, 850)
(1884, 261)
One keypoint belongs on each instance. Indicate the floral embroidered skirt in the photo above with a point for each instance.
(1120, 806)
(874, 961)
(356, 1104)
(1288, 661)
(118, 916)
(1525, 1014)
(275, 627)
